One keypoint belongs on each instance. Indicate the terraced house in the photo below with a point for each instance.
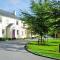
(11, 26)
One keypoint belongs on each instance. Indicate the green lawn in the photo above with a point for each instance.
(50, 49)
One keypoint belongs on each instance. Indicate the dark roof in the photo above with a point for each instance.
(7, 14)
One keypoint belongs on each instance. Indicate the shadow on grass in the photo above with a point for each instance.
(42, 44)
(55, 42)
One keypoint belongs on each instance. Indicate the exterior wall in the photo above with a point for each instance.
(21, 30)
(0, 30)
(4, 25)
(5, 22)
(58, 35)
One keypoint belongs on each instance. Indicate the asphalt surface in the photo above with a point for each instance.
(14, 50)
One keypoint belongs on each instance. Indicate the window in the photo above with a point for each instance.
(17, 31)
(16, 22)
(22, 32)
(0, 19)
(24, 25)
(2, 31)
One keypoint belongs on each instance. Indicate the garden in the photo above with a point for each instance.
(49, 49)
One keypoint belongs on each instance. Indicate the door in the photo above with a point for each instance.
(13, 34)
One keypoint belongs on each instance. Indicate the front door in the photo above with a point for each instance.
(13, 34)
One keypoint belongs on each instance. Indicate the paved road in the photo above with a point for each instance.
(14, 50)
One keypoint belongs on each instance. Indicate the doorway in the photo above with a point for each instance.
(13, 33)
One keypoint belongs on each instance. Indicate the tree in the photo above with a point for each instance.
(39, 20)
(55, 16)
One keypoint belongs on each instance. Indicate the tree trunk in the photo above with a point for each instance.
(59, 48)
(38, 41)
(41, 40)
(55, 35)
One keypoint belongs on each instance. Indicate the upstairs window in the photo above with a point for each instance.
(16, 22)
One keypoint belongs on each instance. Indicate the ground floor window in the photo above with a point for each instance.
(2, 31)
(17, 32)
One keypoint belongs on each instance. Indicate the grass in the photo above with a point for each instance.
(51, 49)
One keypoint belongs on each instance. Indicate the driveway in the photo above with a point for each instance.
(14, 50)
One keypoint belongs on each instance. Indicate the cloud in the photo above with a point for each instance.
(14, 2)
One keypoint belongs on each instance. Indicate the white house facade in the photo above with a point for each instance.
(11, 26)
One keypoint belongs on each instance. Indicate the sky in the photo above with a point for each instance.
(11, 5)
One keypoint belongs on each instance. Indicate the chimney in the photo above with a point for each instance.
(14, 12)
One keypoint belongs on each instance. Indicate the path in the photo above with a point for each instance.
(14, 50)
